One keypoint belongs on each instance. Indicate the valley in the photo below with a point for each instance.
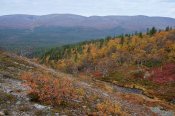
(29, 35)
(70, 67)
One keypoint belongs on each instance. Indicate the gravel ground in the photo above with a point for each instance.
(21, 106)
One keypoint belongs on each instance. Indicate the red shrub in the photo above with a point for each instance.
(47, 89)
(164, 74)
(97, 74)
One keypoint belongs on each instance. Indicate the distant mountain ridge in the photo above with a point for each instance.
(20, 32)
(97, 22)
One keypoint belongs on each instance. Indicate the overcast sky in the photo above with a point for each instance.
(164, 8)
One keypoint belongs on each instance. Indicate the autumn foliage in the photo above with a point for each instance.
(97, 74)
(103, 57)
(106, 108)
(164, 74)
(48, 90)
(145, 60)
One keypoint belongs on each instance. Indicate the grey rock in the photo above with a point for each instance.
(2, 113)
(161, 112)
(18, 102)
(56, 114)
(41, 107)
(147, 74)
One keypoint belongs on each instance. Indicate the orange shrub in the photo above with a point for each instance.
(49, 90)
(109, 108)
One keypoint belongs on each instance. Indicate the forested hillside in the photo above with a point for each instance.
(145, 61)
(28, 34)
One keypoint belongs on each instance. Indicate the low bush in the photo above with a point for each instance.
(97, 74)
(47, 89)
(164, 74)
(138, 74)
(109, 108)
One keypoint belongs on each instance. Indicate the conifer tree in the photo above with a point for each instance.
(152, 31)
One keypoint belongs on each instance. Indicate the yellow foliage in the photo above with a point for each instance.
(109, 108)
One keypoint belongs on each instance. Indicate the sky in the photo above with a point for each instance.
(165, 8)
